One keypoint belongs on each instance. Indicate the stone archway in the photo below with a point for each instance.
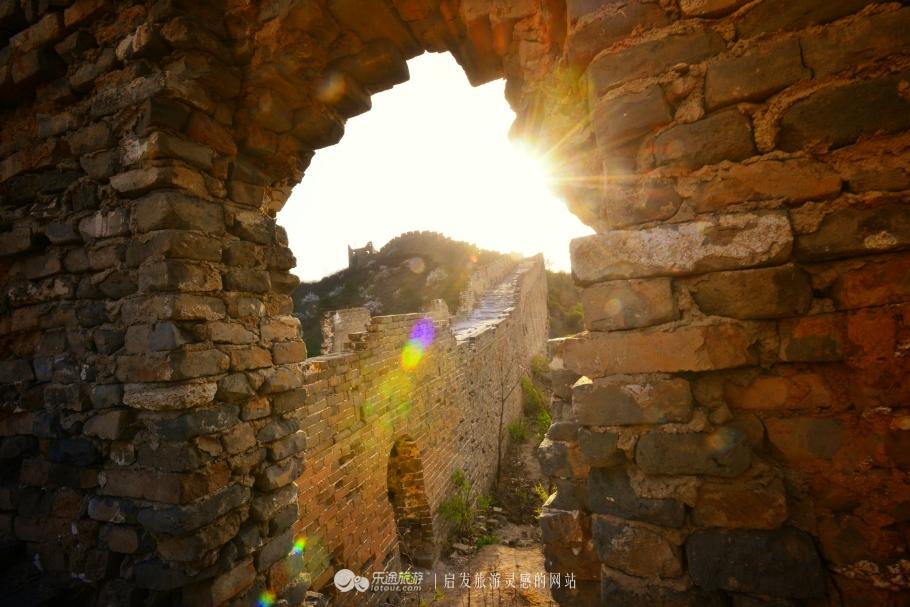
(744, 165)
(408, 497)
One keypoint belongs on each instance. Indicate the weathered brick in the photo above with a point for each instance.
(802, 439)
(782, 15)
(171, 210)
(289, 352)
(648, 59)
(785, 388)
(726, 135)
(781, 563)
(48, 30)
(697, 347)
(755, 75)
(635, 550)
(619, 120)
(834, 49)
(602, 24)
(139, 181)
(851, 231)
(630, 204)
(838, 115)
(599, 448)
(723, 452)
(792, 180)
(108, 425)
(721, 243)
(709, 8)
(753, 505)
(178, 275)
(878, 281)
(819, 338)
(628, 304)
(609, 492)
(622, 401)
(752, 294)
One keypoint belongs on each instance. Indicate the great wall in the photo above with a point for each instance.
(735, 424)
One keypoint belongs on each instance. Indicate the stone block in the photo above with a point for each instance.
(752, 504)
(634, 550)
(803, 439)
(790, 180)
(819, 338)
(160, 144)
(378, 66)
(709, 8)
(279, 474)
(48, 30)
(264, 506)
(752, 294)
(838, 115)
(104, 224)
(620, 401)
(172, 210)
(781, 15)
(375, 22)
(108, 425)
(782, 564)
(650, 199)
(251, 281)
(754, 76)
(620, 120)
(701, 347)
(785, 388)
(239, 438)
(560, 526)
(852, 231)
(139, 181)
(834, 49)
(178, 275)
(249, 357)
(628, 304)
(168, 397)
(877, 281)
(178, 520)
(211, 134)
(725, 135)
(599, 448)
(609, 492)
(599, 25)
(723, 452)
(554, 458)
(648, 59)
(289, 352)
(288, 446)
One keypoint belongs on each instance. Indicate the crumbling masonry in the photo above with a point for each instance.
(737, 425)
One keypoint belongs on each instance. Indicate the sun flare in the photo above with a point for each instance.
(433, 154)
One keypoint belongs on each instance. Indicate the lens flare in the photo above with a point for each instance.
(266, 599)
(299, 546)
(722, 439)
(417, 265)
(422, 334)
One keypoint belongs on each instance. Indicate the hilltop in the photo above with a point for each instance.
(407, 274)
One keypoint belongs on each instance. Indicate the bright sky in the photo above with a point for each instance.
(432, 154)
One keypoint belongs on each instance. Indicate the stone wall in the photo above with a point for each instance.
(737, 430)
(743, 163)
(337, 325)
(480, 281)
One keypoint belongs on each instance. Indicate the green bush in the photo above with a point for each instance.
(485, 540)
(532, 396)
(544, 419)
(518, 430)
(540, 368)
(457, 508)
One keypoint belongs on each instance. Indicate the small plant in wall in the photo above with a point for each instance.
(461, 508)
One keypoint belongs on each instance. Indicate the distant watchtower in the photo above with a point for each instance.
(357, 258)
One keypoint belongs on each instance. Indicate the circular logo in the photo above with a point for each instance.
(346, 580)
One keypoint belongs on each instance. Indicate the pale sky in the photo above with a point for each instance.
(432, 154)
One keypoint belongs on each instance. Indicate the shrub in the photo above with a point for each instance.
(485, 540)
(532, 396)
(518, 430)
(544, 419)
(540, 368)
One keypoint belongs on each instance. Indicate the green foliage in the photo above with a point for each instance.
(543, 495)
(486, 540)
(544, 419)
(460, 509)
(563, 305)
(532, 396)
(518, 430)
(540, 368)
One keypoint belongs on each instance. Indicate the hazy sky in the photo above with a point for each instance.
(432, 154)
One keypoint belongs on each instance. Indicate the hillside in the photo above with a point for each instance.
(408, 273)
(405, 275)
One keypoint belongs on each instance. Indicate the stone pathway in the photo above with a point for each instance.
(493, 307)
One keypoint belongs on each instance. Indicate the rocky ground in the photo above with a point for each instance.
(515, 554)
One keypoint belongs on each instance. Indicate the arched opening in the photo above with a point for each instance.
(409, 501)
